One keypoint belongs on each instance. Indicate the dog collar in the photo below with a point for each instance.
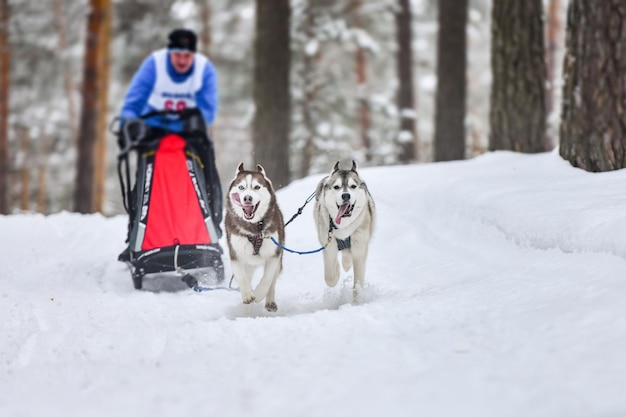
(341, 244)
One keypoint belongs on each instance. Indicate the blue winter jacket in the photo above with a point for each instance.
(142, 84)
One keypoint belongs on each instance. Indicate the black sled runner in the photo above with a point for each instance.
(175, 201)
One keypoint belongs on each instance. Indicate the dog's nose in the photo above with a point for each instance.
(247, 199)
(345, 197)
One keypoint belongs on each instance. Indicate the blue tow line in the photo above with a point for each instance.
(295, 251)
(299, 212)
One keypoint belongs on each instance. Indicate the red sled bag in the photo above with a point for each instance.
(174, 220)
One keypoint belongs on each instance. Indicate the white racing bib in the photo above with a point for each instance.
(169, 95)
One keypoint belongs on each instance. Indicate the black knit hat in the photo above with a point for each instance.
(183, 39)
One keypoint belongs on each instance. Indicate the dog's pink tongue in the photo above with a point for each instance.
(248, 210)
(342, 211)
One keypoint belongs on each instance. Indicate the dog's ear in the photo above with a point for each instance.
(240, 168)
(335, 168)
(261, 170)
(354, 165)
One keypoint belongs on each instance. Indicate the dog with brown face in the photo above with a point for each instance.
(252, 218)
(344, 218)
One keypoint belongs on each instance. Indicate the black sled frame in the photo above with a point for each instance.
(194, 263)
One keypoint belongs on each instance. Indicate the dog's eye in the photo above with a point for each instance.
(257, 187)
(241, 187)
(336, 187)
(353, 186)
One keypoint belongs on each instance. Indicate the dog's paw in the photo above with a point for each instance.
(248, 298)
(331, 280)
(272, 307)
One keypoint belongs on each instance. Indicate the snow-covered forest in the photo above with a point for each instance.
(47, 41)
(494, 285)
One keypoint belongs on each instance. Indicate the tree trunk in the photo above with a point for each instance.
(361, 76)
(517, 113)
(451, 87)
(553, 30)
(593, 129)
(42, 168)
(271, 125)
(205, 22)
(407, 139)
(4, 106)
(104, 40)
(310, 88)
(68, 79)
(83, 194)
(22, 133)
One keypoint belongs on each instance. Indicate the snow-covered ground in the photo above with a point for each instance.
(495, 287)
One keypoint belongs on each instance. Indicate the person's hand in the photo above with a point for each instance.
(133, 129)
(131, 132)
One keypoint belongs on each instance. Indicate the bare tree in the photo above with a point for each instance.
(451, 87)
(361, 79)
(593, 126)
(68, 78)
(553, 30)
(518, 107)
(4, 106)
(405, 100)
(25, 168)
(311, 86)
(104, 40)
(92, 85)
(205, 22)
(42, 167)
(272, 100)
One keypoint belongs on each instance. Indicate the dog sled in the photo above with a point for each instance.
(174, 199)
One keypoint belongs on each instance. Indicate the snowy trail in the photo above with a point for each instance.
(494, 287)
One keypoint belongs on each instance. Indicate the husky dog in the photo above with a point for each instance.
(252, 217)
(344, 217)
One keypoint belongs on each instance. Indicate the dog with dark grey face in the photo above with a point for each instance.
(344, 217)
(252, 217)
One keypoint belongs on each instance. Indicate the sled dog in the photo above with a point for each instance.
(344, 217)
(252, 217)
